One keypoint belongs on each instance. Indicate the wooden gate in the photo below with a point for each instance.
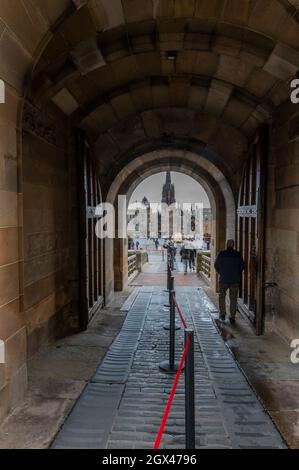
(91, 247)
(251, 228)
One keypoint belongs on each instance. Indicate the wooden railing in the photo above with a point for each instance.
(132, 265)
(204, 264)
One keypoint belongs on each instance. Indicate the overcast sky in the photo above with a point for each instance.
(186, 189)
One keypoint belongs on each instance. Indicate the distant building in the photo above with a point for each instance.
(168, 197)
(207, 227)
(150, 225)
(146, 204)
(168, 191)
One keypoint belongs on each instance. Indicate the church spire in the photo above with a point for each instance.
(168, 192)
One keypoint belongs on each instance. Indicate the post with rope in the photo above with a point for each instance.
(169, 272)
(167, 306)
(166, 326)
(189, 391)
(171, 285)
(188, 360)
(171, 366)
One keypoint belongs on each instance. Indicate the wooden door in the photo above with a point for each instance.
(91, 253)
(251, 230)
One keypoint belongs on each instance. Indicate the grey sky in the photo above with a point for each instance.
(186, 188)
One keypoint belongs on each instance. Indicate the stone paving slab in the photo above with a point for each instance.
(89, 424)
(130, 300)
(124, 405)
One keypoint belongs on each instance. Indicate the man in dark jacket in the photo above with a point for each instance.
(171, 249)
(185, 256)
(229, 265)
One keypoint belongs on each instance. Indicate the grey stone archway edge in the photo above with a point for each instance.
(195, 165)
(181, 147)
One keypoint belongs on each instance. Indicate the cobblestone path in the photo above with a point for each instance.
(123, 405)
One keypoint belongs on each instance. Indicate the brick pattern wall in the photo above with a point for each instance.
(23, 25)
(48, 237)
(13, 373)
(282, 243)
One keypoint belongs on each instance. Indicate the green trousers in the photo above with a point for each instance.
(233, 296)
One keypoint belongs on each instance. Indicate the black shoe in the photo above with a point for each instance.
(232, 321)
(222, 317)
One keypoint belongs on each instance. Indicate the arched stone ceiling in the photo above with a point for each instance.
(106, 65)
(108, 44)
(231, 40)
(52, 34)
(181, 128)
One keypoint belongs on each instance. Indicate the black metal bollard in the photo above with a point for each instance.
(172, 331)
(171, 366)
(170, 287)
(169, 274)
(171, 298)
(189, 392)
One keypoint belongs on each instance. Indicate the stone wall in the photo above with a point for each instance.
(48, 238)
(13, 373)
(23, 26)
(282, 241)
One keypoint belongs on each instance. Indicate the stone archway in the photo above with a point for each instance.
(211, 179)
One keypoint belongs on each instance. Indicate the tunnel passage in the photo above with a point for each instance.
(141, 76)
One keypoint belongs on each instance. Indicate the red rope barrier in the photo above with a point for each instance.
(170, 400)
(180, 314)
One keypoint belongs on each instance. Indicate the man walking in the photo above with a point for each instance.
(185, 257)
(171, 250)
(229, 265)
